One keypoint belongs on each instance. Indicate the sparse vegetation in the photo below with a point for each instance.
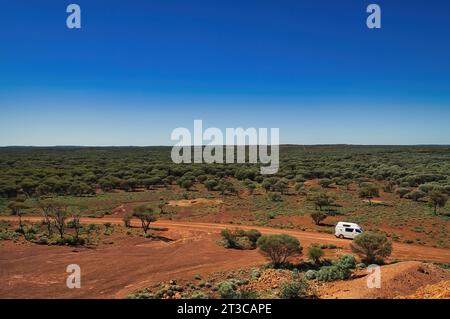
(279, 247)
(315, 253)
(239, 238)
(145, 215)
(372, 247)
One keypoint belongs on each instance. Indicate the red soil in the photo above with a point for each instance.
(113, 271)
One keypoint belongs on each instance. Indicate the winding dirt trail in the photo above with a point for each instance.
(131, 263)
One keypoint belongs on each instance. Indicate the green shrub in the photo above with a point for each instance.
(275, 197)
(240, 239)
(8, 235)
(227, 289)
(199, 295)
(361, 266)
(68, 241)
(339, 270)
(372, 247)
(296, 289)
(328, 246)
(311, 274)
(255, 273)
(279, 247)
(318, 217)
(315, 253)
(332, 273)
(247, 294)
(347, 262)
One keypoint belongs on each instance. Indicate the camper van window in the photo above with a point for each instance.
(358, 231)
(346, 225)
(349, 230)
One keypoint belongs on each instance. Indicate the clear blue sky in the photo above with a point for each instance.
(138, 69)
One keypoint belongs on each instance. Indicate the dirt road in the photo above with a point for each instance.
(113, 271)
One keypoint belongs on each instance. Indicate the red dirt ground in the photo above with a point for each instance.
(396, 280)
(131, 263)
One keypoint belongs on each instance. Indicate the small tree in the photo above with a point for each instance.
(389, 187)
(146, 216)
(437, 199)
(47, 208)
(187, 184)
(402, 191)
(76, 224)
(315, 253)
(250, 187)
(210, 184)
(299, 187)
(18, 209)
(297, 288)
(368, 191)
(161, 207)
(267, 185)
(59, 216)
(281, 186)
(322, 200)
(127, 220)
(325, 182)
(279, 247)
(318, 217)
(372, 247)
(415, 195)
(347, 183)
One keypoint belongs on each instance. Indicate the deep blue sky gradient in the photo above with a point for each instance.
(138, 69)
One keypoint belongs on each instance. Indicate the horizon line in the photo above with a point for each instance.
(225, 145)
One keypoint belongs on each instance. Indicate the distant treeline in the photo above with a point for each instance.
(82, 171)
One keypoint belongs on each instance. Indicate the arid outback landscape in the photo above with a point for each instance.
(140, 226)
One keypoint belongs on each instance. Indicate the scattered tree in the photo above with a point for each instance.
(325, 182)
(402, 191)
(368, 191)
(279, 247)
(437, 199)
(318, 217)
(372, 247)
(145, 215)
(18, 209)
(59, 216)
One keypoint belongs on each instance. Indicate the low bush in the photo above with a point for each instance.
(68, 241)
(296, 289)
(328, 246)
(315, 253)
(279, 247)
(8, 235)
(311, 274)
(275, 197)
(227, 289)
(239, 238)
(332, 273)
(339, 270)
(199, 295)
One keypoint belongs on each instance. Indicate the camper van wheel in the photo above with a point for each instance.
(341, 236)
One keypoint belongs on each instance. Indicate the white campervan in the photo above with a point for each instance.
(347, 230)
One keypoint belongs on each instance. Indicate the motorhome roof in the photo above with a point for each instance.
(346, 223)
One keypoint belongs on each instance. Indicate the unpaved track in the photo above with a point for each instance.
(113, 271)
